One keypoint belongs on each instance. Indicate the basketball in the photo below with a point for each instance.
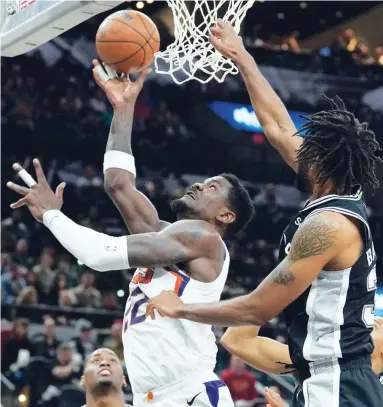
(127, 41)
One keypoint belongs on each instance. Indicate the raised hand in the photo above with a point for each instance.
(225, 40)
(119, 90)
(40, 197)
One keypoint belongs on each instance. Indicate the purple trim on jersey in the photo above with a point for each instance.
(212, 391)
(185, 280)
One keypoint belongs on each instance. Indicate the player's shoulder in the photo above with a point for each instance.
(193, 229)
(335, 223)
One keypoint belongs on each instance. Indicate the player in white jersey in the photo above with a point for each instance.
(170, 363)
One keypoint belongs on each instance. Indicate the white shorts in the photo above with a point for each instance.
(204, 390)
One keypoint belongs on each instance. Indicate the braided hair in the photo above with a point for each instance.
(345, 148)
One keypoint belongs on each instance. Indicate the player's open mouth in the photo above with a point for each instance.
(190, 194)
(105, 372)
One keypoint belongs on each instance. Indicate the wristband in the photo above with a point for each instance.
(119, 159)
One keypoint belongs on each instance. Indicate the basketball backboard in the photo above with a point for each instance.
(27, 24)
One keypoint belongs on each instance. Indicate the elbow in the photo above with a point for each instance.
(229, 341)
(117, 181)
(93, 262)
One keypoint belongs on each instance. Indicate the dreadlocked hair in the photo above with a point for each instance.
(344, 148)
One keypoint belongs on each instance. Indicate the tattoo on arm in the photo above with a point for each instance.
(313, 238)
(283, 277)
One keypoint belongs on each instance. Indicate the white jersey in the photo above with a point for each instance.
(162, 351)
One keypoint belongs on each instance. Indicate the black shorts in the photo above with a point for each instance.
(333, 384)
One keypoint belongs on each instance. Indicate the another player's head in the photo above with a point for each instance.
(103, 379)
(222, 201)
(377, 355)
(338, 151)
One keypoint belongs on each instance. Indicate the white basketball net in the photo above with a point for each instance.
(191, 56)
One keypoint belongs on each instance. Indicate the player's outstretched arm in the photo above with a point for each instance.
(139, 214)
(180, 242)
(320, 238)
(264, 354)
(270, 110)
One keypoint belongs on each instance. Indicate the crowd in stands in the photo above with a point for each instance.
(347, 41)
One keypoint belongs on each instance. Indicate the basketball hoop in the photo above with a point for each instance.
(191, 56)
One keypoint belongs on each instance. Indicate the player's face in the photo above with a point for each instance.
(206, 201)
(304, 177)
(103, 370)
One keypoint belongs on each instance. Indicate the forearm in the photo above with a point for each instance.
(96, 250)
(263, 354)
(235, 335)
(138, 213)
(236, 312)
(119, 165)
(120, 135)
(270, 110)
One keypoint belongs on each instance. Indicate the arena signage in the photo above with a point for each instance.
(242, 117)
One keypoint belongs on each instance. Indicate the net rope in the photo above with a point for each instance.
(191, 56)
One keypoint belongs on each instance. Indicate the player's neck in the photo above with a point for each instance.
(107, 400)
(321, 190)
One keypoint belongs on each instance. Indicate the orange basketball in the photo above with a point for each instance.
(127, 41)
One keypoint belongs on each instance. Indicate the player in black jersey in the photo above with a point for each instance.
(270, 356)
(103, 380)
(326, 278)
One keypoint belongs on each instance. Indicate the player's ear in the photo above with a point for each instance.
(124, 384)
(82, 382)
(226, 216)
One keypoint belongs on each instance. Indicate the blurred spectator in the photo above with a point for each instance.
(347, 40)
(15, 225)
(109, 301)
(65, 370)
(21, 256)
(85, 294)
(48, 344)
(44, 271)
(65, 266)
(90, 178)
(28, 296)
(291, 43)
(84, 344)
(18, 348)
(12, 280)
(240, 382)
(379, 55)
(362, 55)
(59, 287)
(114, 341)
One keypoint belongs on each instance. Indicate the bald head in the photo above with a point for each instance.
(103, 372)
